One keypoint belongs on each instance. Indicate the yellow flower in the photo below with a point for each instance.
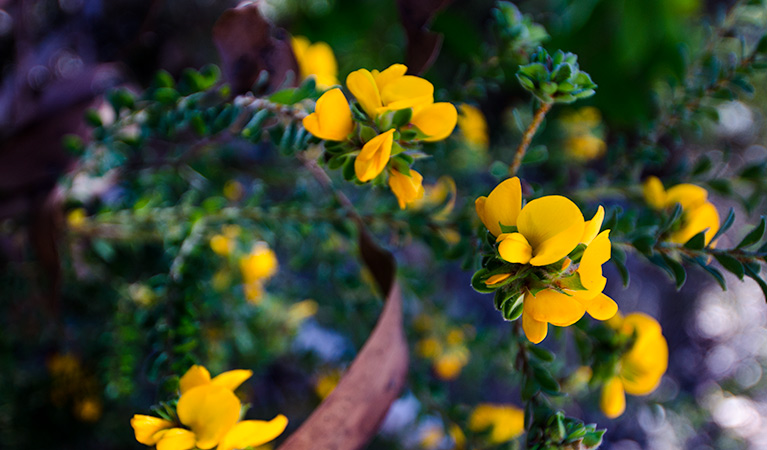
(698, 214)
(199, 376)
(449, 365)
(389, 90)
(436, 120)
(564, 309)
(408, 189)
(88, 409)
(442, 192)
(585, 147)
(301, 311)
(641, 368)
(327, 382)
(233, 190)
(332, 118)
(76, 217)
(259, 264)
(210, 411)
(428, 348)
(316, 60)
(374, 156)
(221, 245)
(505, 422)
(548, 228)
(473, 125)
(392, 90)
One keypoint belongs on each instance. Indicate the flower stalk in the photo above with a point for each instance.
(527, 138)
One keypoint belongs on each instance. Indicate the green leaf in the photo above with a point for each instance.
(697, 242)
(572, 282)
(593, 439)
(754, 236)
(717, 275)
(541, 353)
(535, 155)
(731, 264)
(644, 244)
(478, 284)
(508, 228)
(512, 309)
(545, 380)
(755, 276)
(726, 224)
(677, 270)
(402, 117)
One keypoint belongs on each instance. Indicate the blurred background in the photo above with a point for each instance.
(113, 283)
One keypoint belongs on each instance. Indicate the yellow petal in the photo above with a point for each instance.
(407, 189)
(502, 206)
(332, 118)
(602, 307)
(300, 44)
(644, 365)
(436, 120)
(252, 433)
(144, 427)
(497, 278)
(473, 125)
(176, 439)
(534, 330)
(514, 248)
(320, 62)
(590, 268)
(553, 225)
(388, 75)
(232, 379)
(374, 156)
(210, 411)
(697, 219)
(553, 307)
(654, 193)
(687, 195)
(613, 401)
(195, 376)
(505, 422)
(406, 92)
(362, 85)
(593, 226)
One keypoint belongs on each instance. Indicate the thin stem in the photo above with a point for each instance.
(527, 138)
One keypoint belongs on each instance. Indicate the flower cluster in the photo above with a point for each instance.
(546, 262)
(448, 353)
(698, 214)
(207, 416)
(380, 133)
(639, 370)
(256, 266)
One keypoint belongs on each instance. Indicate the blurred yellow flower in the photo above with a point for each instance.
(698, 214)
(327, 382)
(210, 412)
(301, 311)
(76, 218)
(407, 188)
(88, 409)
(443, 192)
(256, 267)
(233, 190)
(640, 370)
(505, 422)
(583, 134)
(332, 118)
(316, 60)
(374, 156)
(450, 364)
(428, 348)
(223, 244)
(473, 125)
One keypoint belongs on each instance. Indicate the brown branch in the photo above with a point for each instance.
(527, 138)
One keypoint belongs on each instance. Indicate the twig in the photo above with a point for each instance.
(528, 137)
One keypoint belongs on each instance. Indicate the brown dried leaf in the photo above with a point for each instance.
(350, 416)
(422, 45)
(249, 44)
